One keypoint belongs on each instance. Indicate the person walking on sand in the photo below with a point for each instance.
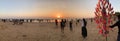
(84, 30)
(117, 24)
(62, 23)
(70, 24)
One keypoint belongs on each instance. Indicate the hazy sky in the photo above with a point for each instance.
(51, 8)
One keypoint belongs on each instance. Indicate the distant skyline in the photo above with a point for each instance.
(51, 8)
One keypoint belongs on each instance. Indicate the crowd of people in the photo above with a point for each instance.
(84, 26)
(64, 22)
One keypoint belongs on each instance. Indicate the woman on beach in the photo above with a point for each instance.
(84, 30)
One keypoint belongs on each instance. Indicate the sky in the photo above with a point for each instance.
(51, 8)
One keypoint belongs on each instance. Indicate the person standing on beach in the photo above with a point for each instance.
(15, 21)
(70, 24)
(31, 20)
(84, 30)
(91, 20)
(77, 21)
(21, 21)
(56, 22)
(4, 20)
(117, 24)
(62, 23)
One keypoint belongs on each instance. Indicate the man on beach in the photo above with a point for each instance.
(70, 24)
(117, 24)
(56, 22)
(62, 23)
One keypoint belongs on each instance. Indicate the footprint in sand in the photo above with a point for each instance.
(24, 35)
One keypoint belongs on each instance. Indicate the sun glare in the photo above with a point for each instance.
(58, 16)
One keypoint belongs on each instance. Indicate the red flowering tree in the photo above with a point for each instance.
(103, 16)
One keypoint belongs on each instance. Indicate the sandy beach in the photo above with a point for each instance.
(50, 32)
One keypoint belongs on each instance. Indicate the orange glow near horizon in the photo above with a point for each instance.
(58, 16)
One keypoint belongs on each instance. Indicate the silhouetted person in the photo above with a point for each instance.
(4, 20)
(27, 20)
(15, 21)
(70, 24)
(31, 20)
(47, 20)
(21, 21)
(117, 24)
(65, 21)
(62, 23)
(91, 20)
(56, 22)
(77, 21)
(84, 30)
